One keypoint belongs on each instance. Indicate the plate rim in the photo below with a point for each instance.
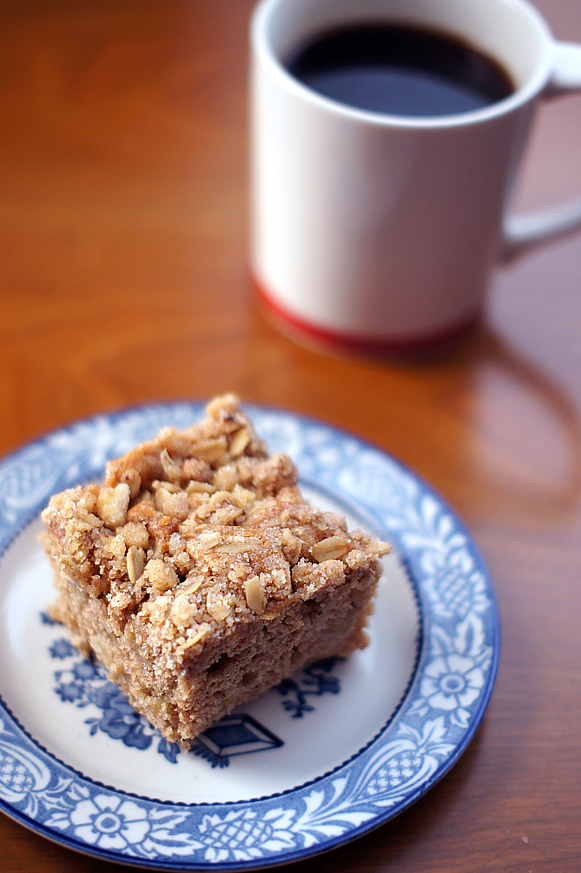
(183, 863)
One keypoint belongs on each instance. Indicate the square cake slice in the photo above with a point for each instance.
(200, 577)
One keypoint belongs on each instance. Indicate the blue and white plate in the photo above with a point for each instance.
(321, 759)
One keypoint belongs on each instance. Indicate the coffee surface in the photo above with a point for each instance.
(400, 70)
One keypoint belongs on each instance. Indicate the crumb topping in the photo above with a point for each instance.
(198, 529)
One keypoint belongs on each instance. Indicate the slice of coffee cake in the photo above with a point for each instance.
(200, 577)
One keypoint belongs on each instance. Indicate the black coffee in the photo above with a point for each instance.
(400, 71)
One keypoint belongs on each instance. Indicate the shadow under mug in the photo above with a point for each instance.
(376, 233)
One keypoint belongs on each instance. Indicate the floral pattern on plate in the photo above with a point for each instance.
(444, 703)
(84, 683)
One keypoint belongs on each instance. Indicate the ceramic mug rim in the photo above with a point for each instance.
(524, 93)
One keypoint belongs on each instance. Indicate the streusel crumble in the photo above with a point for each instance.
(200, 577)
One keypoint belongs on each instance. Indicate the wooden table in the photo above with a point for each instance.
(123, 277)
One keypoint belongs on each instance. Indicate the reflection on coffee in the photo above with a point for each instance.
(400, 70)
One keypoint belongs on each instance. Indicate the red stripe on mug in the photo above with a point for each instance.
(403, 347)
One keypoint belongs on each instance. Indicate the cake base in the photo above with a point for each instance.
(200, 578)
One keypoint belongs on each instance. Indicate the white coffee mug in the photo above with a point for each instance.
(375, 232)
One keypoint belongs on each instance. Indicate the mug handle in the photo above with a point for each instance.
(526, 230)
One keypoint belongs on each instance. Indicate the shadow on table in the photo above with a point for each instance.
(525, 432)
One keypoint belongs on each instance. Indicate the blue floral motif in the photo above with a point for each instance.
(62, 648)
(116, 824)
(451, 684)
(47, 619)
(110, 822)
(70, 692)
(121, 722)
(85, 670)
(315, 680)
(455, 674)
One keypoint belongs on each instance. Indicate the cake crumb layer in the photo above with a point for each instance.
(200, 577)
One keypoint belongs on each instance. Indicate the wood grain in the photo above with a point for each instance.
(123, 278)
